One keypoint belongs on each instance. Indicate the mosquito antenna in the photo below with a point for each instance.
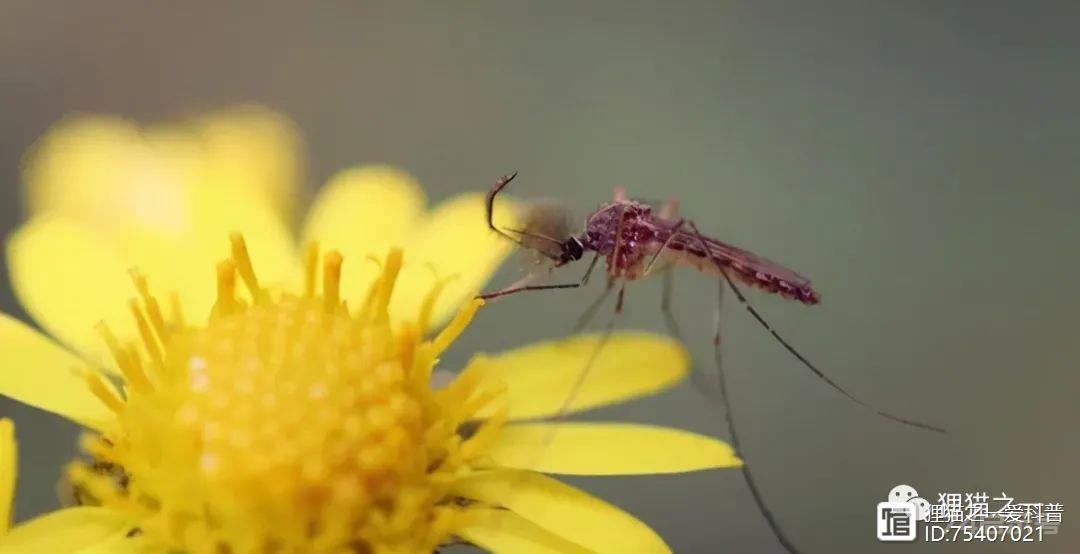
(489, 209)
(791, 349)
(489, 203)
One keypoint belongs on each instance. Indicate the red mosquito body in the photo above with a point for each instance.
(632, 237)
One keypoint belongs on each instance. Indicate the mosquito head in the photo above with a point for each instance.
(572, 251)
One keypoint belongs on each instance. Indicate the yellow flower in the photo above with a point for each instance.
(162, 199)
(295, 412)
(8, 457)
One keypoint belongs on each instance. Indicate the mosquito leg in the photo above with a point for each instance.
(698, 379)
(718, 314)
(729, 417)
(748, 475)
(588, 272)
(515, 290)
(665, 303)
(791, 349)
(590, 312)
(579, 380)
(674, 232)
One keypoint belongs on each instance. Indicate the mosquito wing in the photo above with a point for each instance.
(545, 224)
(743, 265)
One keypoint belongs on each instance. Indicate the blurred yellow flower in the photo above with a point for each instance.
(271, 420)
(162, 199)
(94, 167)
(8, 458)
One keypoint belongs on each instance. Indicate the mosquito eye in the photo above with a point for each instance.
(573, 249)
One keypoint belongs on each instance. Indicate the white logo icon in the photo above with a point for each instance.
(896, 517)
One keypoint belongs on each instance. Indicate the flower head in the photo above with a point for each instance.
(286, 421)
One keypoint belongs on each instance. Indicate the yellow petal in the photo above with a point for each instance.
(69, 279)
(364, 212)
(121, 543)
(541, 378)
(184, 260)
(607, 449)
(501, 531)
(8, 468)
(169, 197)
(454, 241)
(66, 530)
(105, 171)
(40, 373)
(256, 149)
(95, 168)
(561, 509)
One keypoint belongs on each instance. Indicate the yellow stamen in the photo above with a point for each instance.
(153, 310)
(484, 435)
(226, 288)
(96, 447)
(456, 326)
(431, 298)
(243, 265)
(389, 279)
(129, 364)
(311, 268)
(87, 483)
(148, 338)
(105, 392)
(332, 280)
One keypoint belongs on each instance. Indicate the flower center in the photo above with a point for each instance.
(285, 423)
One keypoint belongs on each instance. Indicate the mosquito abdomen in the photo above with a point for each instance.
(755, 277)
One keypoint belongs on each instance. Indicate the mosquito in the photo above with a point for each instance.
(637, 241)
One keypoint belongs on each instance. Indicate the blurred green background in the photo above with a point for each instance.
(918, 160)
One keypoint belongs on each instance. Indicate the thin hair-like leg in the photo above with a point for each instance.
(590, 312)
(514, 290)
(667, 242)
(665, 303)
(707, 390)
(698, 379)
(564, 408)
(584, 373)
(733, 435)
(522, 284)
(791, 349)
